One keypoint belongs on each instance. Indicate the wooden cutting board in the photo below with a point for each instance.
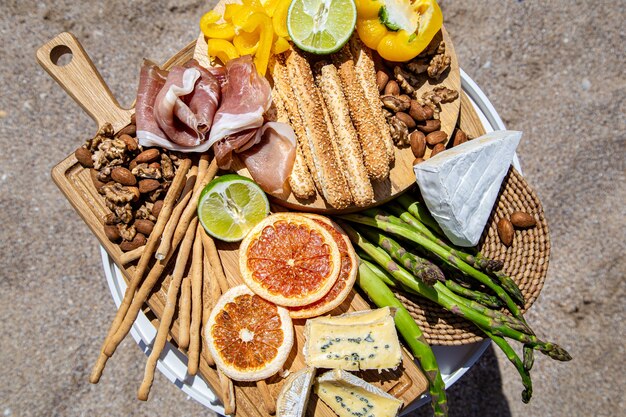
(401, 175)
(81, 80)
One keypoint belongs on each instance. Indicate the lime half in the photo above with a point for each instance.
(230, 206)
(321, 26)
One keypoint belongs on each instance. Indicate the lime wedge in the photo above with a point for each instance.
(230, 206)
(321, 26)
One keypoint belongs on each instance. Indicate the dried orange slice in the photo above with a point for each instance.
(249, 338)
(345, 281)
(289, 259)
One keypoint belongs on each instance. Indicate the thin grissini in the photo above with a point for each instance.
(197, 262)
(302, 180)
(184, 312)
(210, 251)
(348, 144)
(170, 227)
(168, 311)
(171, 197)
(157, 269)
(333, 184)
(132, 256)
(376, 162)
(366, 75)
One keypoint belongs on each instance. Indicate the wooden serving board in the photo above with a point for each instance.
(82, 81)
(401, 175)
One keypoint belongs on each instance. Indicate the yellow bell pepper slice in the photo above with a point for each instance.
(270, 6)
(222, 50)
(247, 43)
(263, 23)
(280, 45)
(279, 19)
(213, 30)
(399, 30)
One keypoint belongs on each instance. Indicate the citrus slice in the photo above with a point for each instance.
(321, 26)
(248, 337)
(230, 206)
(345, 281)
(289, 259)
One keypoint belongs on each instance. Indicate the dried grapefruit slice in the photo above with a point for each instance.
(248, 337)
(345, 281)
(289, 259)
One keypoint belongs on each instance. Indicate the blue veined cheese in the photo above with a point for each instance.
(353, 341)
(350, 396)
(460, 185)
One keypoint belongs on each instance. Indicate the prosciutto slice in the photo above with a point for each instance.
(179, 115)
(246, 95)
(271, 160)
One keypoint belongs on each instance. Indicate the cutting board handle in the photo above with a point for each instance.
(81, 80)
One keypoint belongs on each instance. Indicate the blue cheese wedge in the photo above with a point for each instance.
(293, 397)
(353, 341)
(460, 185)
(350, 396)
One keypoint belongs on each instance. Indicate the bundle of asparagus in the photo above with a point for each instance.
(469, 285)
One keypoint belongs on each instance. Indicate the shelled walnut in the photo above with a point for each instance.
(120, 169)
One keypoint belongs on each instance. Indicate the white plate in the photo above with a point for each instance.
(454, 361)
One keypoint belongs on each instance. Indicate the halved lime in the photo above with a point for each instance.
(321, 26)
(230, 206)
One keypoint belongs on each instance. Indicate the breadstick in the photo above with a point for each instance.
(210, 251)
(166, 211)
(168, 312)
(131, 256)
(184, 311)
(197, 261)
(228, 392)
(168, 233)
(268, 400)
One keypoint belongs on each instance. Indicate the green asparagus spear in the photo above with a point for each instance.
(382, 296)
(478, 296)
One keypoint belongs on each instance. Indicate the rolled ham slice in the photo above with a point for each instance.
(180, 114)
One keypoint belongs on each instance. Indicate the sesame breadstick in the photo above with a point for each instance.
(184, 312)
(348, 145)
(372, 145)
(366, 75)
(197, 271)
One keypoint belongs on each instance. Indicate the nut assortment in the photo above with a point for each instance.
(407, 111)
(132, 180)
(518, 220)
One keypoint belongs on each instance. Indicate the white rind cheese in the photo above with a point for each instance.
(350, 396)
(294, 396)
(353, 341)
(460, 185)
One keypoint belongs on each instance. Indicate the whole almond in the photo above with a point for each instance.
(148, 185)
(381, 80)
(420, 113)
(392, 88)
(418, 143)
(112, 233)
(149, 155)
(130, 130)
(83, 156)
(440, 147)
(132, 164)
(156, 208)
(429, 125)
(505, 231)
(123, 176)
(138, 240)
(406, 119)
(522, 220)
(144, 226)
(405, 98)
(436, 137)
(417, 161)
(459, 137)
(131, 144)
(94, 177)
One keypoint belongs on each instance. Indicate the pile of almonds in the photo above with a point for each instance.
(132, 180)
(518, 220)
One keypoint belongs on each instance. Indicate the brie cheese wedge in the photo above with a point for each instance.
(294, 396)
(460, 185)
(349, 396)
